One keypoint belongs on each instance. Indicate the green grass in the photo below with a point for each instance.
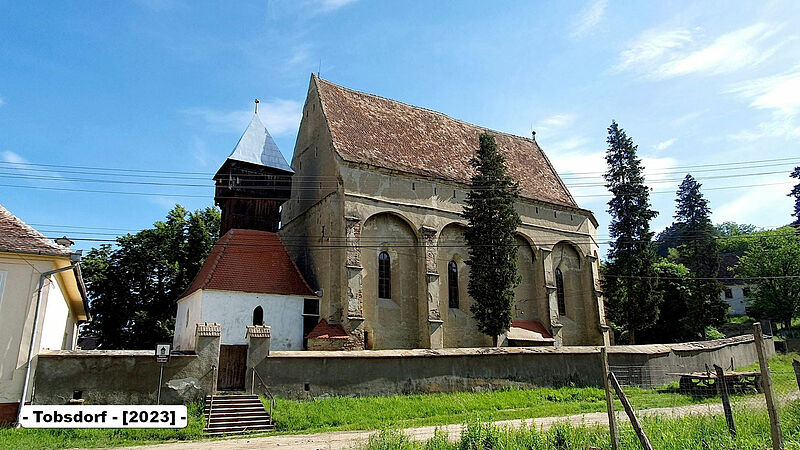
(700, 432)
(402, 411)
(28, 438)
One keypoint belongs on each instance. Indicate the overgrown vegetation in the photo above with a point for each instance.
(705, 432)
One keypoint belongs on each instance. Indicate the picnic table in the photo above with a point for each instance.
(704, 383)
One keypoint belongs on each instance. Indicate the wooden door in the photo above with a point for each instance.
(232, 367)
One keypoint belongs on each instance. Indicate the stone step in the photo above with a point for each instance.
(214, 431)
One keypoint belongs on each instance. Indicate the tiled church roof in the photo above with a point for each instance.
(18, 237)
(250, 261)
(386, 133)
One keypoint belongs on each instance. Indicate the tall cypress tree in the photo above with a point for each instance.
(796, 194)
(492, 222)
(630, 279)
(699, 252)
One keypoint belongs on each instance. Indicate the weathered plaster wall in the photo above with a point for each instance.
(125, 376)
(234, 312)
(332, 199)
(189, 314)
(390, 372)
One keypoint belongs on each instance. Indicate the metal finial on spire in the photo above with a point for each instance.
(256, 106)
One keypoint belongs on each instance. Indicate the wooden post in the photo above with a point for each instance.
(722, 386)
(796, 365)
(629, 410)
(769, 394)
(612, 417)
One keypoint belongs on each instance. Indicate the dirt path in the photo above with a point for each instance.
(349, 439)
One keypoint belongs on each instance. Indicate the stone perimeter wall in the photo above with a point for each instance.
(389, 372)
(131, 377)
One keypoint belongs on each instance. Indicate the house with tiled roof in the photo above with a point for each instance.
(735, 291)
(42, 302)
(374, 220)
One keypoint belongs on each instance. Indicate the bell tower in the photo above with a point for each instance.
(253, 183)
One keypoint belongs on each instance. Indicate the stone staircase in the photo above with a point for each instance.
(235, 414)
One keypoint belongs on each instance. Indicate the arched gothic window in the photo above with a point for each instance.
(384, 276)
(562, 305)
(258, 316)
(452, 284)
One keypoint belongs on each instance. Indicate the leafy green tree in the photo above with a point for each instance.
(734, 237)
(698, 251)
(134, 284)
(772, 264)
(674, 318)
(492, 222)
(796, 194)
(630, 280)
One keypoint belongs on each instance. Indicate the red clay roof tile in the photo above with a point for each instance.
(374, 130)
(18, 237)
(250, 261)
(324, 330)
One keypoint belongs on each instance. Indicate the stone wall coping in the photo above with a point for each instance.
(106, 354)
(648, 349)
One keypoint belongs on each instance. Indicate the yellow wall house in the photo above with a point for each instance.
(50, 315)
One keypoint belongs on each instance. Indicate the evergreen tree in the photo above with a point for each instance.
(699, 252)
(133, 286)
(492, 222)
(630, 279)
(796, 194)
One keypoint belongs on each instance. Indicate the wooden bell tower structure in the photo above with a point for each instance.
(253, 182)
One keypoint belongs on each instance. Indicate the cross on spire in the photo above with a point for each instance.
(256, 106)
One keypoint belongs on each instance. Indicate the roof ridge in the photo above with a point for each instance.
(4, 212)
(429, 110)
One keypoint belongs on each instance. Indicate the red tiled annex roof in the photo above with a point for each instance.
(324, 330)
(374, 130)
(18, 237)
(250, 261)
(528, 330)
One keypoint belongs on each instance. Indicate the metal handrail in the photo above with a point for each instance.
(213, 391)
(269, 393)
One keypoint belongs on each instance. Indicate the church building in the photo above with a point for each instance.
(369, 217)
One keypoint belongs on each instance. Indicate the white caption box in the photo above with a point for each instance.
(104, 416)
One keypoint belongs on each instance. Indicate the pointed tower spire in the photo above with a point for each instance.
(253, 181)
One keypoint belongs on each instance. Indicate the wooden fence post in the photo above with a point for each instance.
(796, 365)
(646, 445)
(612, 417)
(769, 394)
(722, 386)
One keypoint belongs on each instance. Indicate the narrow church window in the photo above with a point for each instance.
(452, 284)
(537, 210)
(258, 316)
(384, 276)
(413, 186)
(562, 305)
(454, 194)
(187, 317)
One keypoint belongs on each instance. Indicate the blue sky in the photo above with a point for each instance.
(163, 85)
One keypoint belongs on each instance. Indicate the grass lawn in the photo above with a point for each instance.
(402, 411)
(700, 432)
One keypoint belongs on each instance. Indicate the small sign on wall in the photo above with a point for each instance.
(162, 352)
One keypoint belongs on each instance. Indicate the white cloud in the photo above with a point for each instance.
(279, 116)
(670, 53)
(23, 166)
(756, 204)
(665, 144)
(779, 93)
(776, 92)
(332, 5)
(555, 122)
(652, 46)
(589, 17)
